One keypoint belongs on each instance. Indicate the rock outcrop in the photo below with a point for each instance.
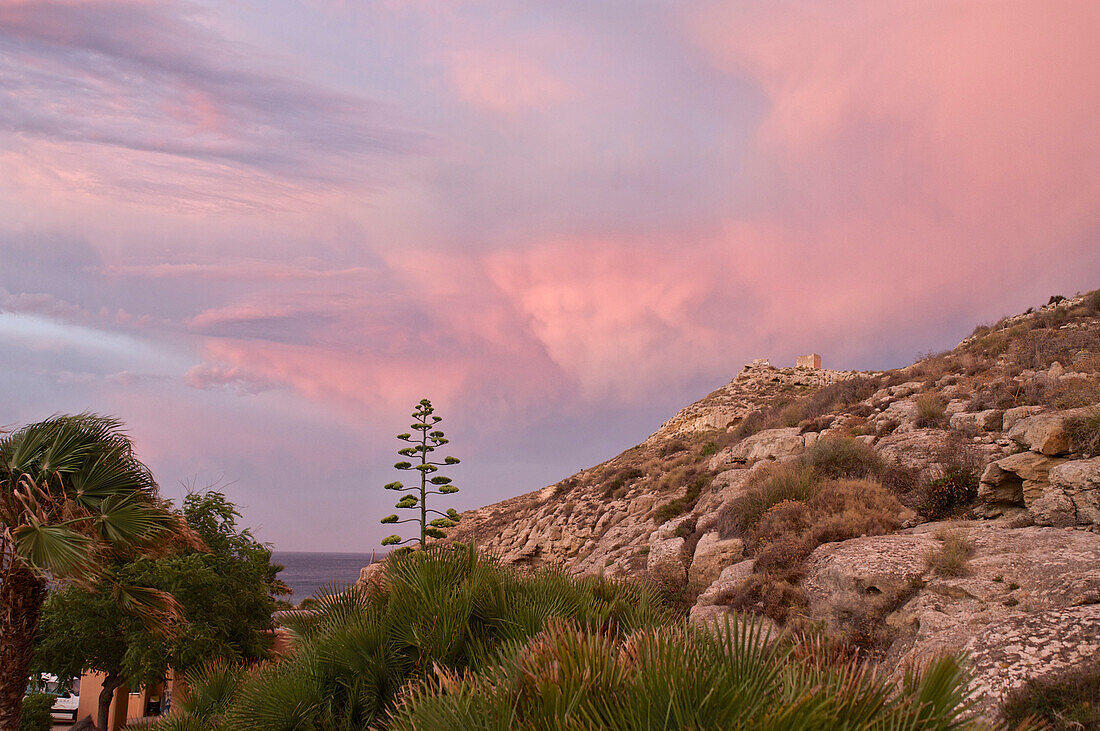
(999, 406)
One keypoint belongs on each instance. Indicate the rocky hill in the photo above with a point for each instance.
(950, 505)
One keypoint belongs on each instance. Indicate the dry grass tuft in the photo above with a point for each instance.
(952, 556)
(930, 411)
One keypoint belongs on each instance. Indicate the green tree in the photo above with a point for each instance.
(425, 441)
(73, 500)
(225, 595)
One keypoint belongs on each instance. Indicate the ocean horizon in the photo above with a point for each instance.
(307, 572)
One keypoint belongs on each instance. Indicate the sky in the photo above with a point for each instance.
(259, 231)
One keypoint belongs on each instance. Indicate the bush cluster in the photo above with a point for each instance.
(442, 609)
(677, 678)
(36, 712)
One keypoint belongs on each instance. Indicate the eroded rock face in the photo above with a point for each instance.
(1008, 653)
(988, 420)
(1018, 579)
(768, 444)
(730, 578)
(1072, 496)
(1042, 433)
(712, 555)
(1015, 482)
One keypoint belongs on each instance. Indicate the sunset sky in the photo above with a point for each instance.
(259, 231)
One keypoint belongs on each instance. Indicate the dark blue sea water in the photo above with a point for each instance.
(306, 572)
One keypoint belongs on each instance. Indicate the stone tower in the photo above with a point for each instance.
(813, 361)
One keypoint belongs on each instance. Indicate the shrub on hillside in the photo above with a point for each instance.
(946, 495)
(678, 506)
(952, 556)
(1066, 701)
(787, 481)
(930, 411)
(1084, 432)
(832, 457)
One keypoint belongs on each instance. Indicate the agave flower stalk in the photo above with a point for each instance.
(423, 440)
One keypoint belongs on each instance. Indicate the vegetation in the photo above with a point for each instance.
(1066, 701)
(678, 506)
(1084, 432)
(36, 712)
(73, 498)
(930, 411)
(224, 595)
(952, 556)
(451, 640)
(677, 678)
(443, 608)
(957, 487)
(422, 447)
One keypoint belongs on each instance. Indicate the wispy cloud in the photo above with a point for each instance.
(157, 85)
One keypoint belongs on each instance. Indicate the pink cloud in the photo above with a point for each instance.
(506, 83)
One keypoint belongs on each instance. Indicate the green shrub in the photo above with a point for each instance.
(1067, 701)
(957, 488)
(678, 678)
(833, 457)
(786, 481)
(36, 712)
(678, 506)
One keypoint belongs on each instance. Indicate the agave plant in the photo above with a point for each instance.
(423, 442)
(73, 498)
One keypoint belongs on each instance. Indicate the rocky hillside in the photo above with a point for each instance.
(950, 505)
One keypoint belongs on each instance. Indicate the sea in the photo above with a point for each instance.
(306, 572)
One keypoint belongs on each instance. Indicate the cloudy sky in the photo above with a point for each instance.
(260, 230)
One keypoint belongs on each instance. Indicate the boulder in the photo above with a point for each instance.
(903, 412)
(1072, 497)
(666, 559)
(371, 575)
(1016, 481)
(712, 554)
(1043, 433)
(767, 444)
(730, 578)
(988, 420)
(1013, 415)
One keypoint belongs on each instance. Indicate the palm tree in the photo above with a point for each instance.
(73, 499)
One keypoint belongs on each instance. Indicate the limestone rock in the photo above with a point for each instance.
(666, 558)
(712, 555)
(767, 444)
(1030, 578)
(1073, 496)
(730, 578)
(1010, 652)
(371, 576)
(1016, 481)
(988, 420)
(1043, 433)
(1014, 415)
(903, 412)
